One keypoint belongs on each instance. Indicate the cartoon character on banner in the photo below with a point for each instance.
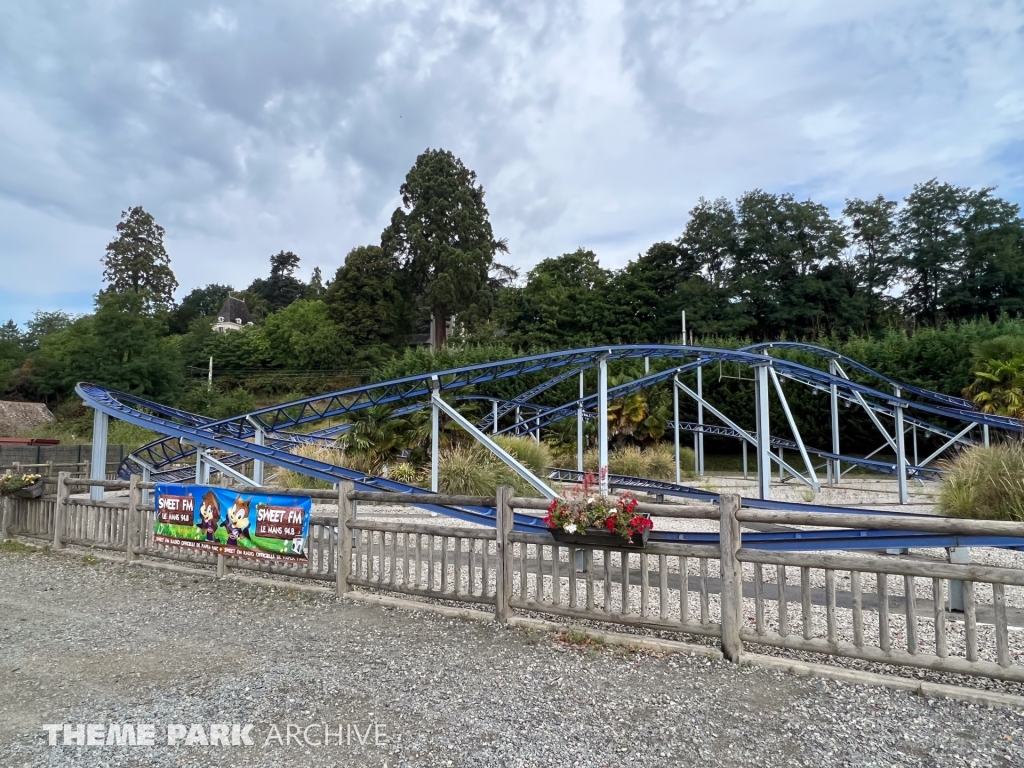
(238, 521)
(209, 515)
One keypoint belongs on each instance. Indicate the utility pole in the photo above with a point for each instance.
(209, 375)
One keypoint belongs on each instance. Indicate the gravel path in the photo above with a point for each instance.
(92, 642)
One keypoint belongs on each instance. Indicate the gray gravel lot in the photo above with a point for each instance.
(95, 642)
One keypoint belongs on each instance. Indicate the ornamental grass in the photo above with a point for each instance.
(985, 483)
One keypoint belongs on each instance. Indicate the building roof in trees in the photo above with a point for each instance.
(16, 418)
(233, 310)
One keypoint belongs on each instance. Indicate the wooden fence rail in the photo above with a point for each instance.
(892, 610)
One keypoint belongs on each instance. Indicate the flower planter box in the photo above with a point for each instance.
(599, 537)
(33, 491)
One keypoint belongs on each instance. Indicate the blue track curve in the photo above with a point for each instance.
(182, 430)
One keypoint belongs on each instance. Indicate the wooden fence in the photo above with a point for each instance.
(893, 610)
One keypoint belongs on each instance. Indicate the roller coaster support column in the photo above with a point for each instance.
(435, 437)
(816, 486)
(602, 423)
(510, 461)
(836, 470)
(764, 461)
(675, 415)
(98, 465)
(259, 438)
(494, 417)
(901, 454)
(579, 428)
(984, 434)
(698, 439)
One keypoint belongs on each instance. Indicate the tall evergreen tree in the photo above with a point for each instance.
(442, 236)
(137, 262)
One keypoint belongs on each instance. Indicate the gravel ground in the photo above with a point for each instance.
(87, 641)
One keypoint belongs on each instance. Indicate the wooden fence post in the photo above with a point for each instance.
(344, 548)
(6, 503)
(503, 575)
(222, 561)
(132, 519)
(61, 511)
(732, 577)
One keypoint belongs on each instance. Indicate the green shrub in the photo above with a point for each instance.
(656, 463)
(626, 461)
(985, 483)
(288, 478)
(465, 471)
(535, 456)
(403, 472)
(660, 462)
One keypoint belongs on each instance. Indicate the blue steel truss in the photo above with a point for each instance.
(231, 438)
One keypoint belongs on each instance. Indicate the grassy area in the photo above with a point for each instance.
(16, 547)
(79, 432)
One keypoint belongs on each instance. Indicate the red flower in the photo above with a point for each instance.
(549, 521)
(610, 522)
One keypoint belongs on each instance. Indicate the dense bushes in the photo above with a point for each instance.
(986, 483)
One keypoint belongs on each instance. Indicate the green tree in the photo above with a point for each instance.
(562, 304)
(364, 299)
(315, 289)
(302, 335)
(782, 247)
(44, 324)
(932, 236)
(711, 238)
(875, 257)
(123, 346)
(990, 280)
(12, 352)
(644, 301)
(137, 262)
(442, 237)
(200, 302)
(282, 287)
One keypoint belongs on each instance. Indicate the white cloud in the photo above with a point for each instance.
(250, 128)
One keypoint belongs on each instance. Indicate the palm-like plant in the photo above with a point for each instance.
(377, 436)
(998, 388)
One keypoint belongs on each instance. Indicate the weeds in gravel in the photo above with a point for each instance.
(532, 636)
(580, 639)
(17, 547)
(90, 560)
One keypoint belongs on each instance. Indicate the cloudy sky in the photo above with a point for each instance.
(248, 128)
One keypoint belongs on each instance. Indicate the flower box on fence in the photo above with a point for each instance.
(22, 486)
(33, 491)
(599, 537)
(586, 517)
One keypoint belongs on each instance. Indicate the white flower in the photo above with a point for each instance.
(570, 527)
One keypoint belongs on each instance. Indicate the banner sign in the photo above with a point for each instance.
(225, 522)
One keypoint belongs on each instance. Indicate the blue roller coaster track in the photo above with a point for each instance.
(271, 435)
